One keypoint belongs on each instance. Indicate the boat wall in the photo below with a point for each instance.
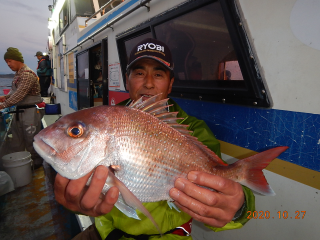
(288, 59)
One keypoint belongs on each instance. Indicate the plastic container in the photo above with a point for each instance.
(6, 91)
(53, 109)
(18, 166)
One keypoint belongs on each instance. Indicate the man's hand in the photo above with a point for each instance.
(2, 99)
(213, 208)
(76, 196)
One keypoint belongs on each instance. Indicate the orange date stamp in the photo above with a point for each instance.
(279, 215)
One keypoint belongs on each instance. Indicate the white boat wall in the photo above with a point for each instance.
(249, 68)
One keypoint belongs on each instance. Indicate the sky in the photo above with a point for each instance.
(23, 25)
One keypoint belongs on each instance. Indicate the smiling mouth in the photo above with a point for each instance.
(146, 96)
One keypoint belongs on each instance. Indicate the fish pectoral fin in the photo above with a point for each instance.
(115, 167)
(126, 209)
(172, 205)
(129, 198)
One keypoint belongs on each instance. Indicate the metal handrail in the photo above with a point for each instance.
(99, 11)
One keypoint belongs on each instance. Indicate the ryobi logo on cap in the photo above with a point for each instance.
(150, 46)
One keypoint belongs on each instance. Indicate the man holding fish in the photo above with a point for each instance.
(150, 76)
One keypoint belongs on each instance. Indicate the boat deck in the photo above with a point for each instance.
(31, 212)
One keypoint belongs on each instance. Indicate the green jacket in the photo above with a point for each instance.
(167, 218)
(44, 67)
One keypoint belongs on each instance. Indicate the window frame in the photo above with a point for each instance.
(254, 95)
(67, 5)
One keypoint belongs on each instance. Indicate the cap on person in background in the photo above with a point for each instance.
(38, 54)
(154, 49)
(14, 54)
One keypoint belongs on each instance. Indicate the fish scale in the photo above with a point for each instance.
(158, 144)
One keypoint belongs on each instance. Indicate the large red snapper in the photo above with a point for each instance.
(144, 147)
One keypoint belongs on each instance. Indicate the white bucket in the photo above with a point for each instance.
(18, 166)
(46, 99)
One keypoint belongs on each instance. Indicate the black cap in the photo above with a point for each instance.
(154, 49)
(38, 54)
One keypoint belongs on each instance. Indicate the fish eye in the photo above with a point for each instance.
(75, 131)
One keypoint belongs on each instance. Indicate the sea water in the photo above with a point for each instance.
(5, 83)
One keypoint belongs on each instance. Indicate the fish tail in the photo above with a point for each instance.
(253, 176)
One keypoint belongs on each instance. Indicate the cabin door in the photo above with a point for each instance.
(99, 73)
(84, 91)
(96, 78)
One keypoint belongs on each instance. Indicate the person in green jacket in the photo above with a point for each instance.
(150, 72)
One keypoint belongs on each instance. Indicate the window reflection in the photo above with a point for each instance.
(230, 70)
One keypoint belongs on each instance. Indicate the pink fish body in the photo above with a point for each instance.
(144, 146)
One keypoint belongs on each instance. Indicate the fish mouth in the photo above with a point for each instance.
(48, 153)
(51, 156)
(44, 149)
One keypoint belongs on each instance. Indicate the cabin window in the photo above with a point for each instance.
(202, 49)
(64, 17)
(212, 57)
(83, 8)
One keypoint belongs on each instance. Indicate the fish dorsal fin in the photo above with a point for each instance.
(171, 120)
(184, 131)
(153, 106)
(166, 115)
(214, 157)
(134, 104)
(140, 104)
(159, 110)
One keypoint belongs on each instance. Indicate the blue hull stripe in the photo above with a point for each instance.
(260, 129)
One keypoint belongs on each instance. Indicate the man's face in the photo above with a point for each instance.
(39, 57)
(13, 64)
(147, 78)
